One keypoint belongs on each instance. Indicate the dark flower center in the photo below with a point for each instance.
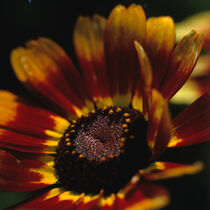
(102, 150)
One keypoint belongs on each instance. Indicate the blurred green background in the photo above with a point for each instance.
(21, 20)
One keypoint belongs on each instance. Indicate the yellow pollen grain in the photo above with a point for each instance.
(67, 135)
(67, 139)
(131, 137)
(72, 131)
(81, 156)
(87, 115)
(74, 121)
(68, 144)
(111, 111)
(126, 114)
(122, 139)
(111, 156)
(121, 145)
(73, 152)
(93, 111)
(72, 126)
(118, 109)
(126, 130)
(124, 125)
(103, 159)
(127, 120)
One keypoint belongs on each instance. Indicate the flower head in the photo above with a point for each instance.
(101, 148)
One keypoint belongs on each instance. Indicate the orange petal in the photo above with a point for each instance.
(89, 46)
(192, 126)
(36, 174)
(160, 41)
(183, 60)
(199, 22)
(123, 27)
(165, 170)
(43, 75)
(159, 126)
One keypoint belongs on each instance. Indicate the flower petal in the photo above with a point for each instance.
(24, 174)
(59, 198)
(89, 46)
(143, 88)
(123, 27)
(199, 22)
(25, 143)
(165, 170)
(159, 126)
(160, 41)
(143, 196)
(19, 116)
(41, 74)
(183, 60)
(192, 126)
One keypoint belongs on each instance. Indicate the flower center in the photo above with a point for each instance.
(102, 150)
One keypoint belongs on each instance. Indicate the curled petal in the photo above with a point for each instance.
(183, 60)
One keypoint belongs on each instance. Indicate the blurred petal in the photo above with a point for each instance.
(160, 42)
(123, 27)
(89, 46)
(199, 22)
(197, 84)
(19, 116)
(41, 74)
(192, 126)
(183, 60)
(165, 170)
(24, 175)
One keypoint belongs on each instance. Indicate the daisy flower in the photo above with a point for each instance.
(98, 143)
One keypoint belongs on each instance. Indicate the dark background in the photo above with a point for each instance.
(21, 20)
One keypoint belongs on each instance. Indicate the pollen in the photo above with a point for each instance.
(111, 111)
(126, 130)
(126, 114)
(122, 139)
(74, 121)
(118, 109)
(68, 144)
(72, 131)
(127, 120)
(124, 125)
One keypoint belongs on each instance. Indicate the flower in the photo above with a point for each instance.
(101, 149)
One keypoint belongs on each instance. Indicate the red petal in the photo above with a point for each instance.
(123, 27)
(183, 60)
(89, 45)
(24, 175)
(143, 196)
(58, 198)
(165, 170)
(192, 126)
(24, 118)
(25, 143)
